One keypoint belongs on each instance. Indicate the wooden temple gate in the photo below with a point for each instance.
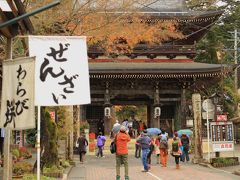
(156, 76)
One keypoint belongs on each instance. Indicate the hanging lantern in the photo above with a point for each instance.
(107, 111)
(157, 112)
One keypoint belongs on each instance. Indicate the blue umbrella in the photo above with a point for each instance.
(188, 132)
(153, 131)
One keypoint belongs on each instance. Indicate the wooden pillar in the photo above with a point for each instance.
(71, 143)
(183, 108)
(7, 168)
(76, 121)
(198, 154)
(107, 104)
(156, 104)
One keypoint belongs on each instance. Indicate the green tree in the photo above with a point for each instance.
(31, 136)
(48, 139)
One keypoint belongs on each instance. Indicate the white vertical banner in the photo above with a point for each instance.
(62, 75)
(17, 110)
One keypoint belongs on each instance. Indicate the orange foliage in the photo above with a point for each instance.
(114, 25)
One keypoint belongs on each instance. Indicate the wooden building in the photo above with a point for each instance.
(156, 76)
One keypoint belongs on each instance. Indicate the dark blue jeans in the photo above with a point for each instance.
(144, 158)
(185, 154)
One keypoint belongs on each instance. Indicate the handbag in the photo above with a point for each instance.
(113, 146)
(77, 144)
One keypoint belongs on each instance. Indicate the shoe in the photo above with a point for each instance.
(144, 170)
(177, 166)
(118, 178)
(103, 156)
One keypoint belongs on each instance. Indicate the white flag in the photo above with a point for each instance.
(18, 111)
(62, 76)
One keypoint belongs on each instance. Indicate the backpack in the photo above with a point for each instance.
(164, 144)
(175, 147)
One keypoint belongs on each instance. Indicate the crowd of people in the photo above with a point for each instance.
(134, 127)
(146, 146)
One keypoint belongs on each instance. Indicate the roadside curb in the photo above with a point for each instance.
(237, 172)
(206, 165)
(67, 172)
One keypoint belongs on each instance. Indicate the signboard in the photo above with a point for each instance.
(17, 108)
(221, 118)
(62, 76)
(225, 146)
(222, 136)
(210, 115)
(207, 105)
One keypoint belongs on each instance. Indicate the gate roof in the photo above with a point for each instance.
(156, 69)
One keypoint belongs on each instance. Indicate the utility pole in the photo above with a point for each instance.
(236, 58)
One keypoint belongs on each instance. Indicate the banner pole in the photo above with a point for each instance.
(38, 143)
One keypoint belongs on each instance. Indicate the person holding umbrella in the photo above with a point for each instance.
(185, 145)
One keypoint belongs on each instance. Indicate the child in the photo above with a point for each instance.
(100, 144)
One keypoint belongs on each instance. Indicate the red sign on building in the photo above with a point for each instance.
(221, 118)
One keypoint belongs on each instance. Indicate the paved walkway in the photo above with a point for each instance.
(104, 169)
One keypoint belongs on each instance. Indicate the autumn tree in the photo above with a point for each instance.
(115, 26)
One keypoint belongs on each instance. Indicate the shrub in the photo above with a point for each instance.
(22, 167)
(65, 164)
(16, 153)
(24, 152)
(53, 169)
(34, 177)
(83, 125)
(31, 136)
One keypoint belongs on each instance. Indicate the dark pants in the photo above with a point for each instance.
(185, 154)
(1, 145)
(81, 155)
(177, 159)
(137, 151)
(100, 151)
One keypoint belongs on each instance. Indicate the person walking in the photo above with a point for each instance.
(137, 149)
(163, 149)
(141, 126)
(176, 150)
(157, 150)
(82, 145)
(122, 138)
(144, 142)
(135, 127)
(185, 145)
(149, 156)
(100, 144)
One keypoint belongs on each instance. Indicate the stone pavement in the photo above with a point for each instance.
(104, 169)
